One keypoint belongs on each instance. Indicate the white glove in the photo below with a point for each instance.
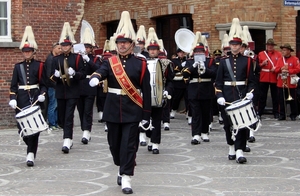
(13, 103)
(94, 82)
(221, 101)
(183, 64)
(56, 73)
(86, 58)
(195, 65)
(249, 96)
(294, 79)
(71, 71)
(145, 122)
(41, 98)
(165, 94)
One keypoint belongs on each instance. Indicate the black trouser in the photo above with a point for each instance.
(32, 143)
(283, 102)
(241, 137)
(178, 94)
(65, 111)
(155, 133)
(85, 109)
(166, 112)
(263, 89)
(122, 144)
(201, 110)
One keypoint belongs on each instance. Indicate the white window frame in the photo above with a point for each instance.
(7, 38)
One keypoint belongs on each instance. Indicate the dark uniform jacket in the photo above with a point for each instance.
(178, 72)
(89, 68)
(120, 108)
(63, 91)
(200, 90)
(49, 70)
(34, 75)
(242, 71)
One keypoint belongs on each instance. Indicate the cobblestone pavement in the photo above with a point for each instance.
(273, 166)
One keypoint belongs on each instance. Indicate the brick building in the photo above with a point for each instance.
(265, 19)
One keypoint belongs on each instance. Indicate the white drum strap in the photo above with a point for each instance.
(234, 132)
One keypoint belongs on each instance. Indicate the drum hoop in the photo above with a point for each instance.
(36, 108)
(230, 108)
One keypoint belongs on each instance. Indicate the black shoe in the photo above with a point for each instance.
(30, 163)
(65, 149)
(231, 157)
(276, 116)
(293, 118)
(241, 160)
(143, 143)
(281, 118)
(221, 122)
(149, 148)
(172, 117)
(167, 128)
(251, 139)
(84, 140)
(101, 121)
(155, 151)
(195, 142)
(247, 149)
(119, 180)
(127, 190)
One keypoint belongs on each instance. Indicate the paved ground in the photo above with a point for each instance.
(273, 166)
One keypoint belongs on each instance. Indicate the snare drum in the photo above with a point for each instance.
(242, 114)
(156, 82)
(31, 120)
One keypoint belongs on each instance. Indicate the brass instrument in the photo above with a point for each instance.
(65, 77)
(284, 76)
(201, 67)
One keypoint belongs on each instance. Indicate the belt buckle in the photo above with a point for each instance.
(233, 83)
(27, 87)
(199, 80)
(123, 92)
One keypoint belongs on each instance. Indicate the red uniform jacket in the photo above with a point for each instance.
(266, 75)
(294, 68)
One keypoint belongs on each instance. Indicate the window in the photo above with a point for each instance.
(5, 21)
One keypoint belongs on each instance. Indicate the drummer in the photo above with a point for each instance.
(235, 80)
(28, 88)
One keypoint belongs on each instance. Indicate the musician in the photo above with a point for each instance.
(287, 66)
(200, 72)
(268, 78)
(140, 40)
(86, 100)
(52, 102)
(167, 102)
(28, 87)
(154, 134)
(128, 78)
(140, 45)
(235, 80)
(68, 70)
(178, 83)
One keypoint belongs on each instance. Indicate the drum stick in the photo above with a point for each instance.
(228, 103)
(249, 92)
(18, 108)
(36, 101)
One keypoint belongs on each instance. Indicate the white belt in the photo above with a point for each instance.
(198, 80)
(119, 91)
(234, 83)
(88, 76)
(265, 70)
(28, 87)
(178, 78)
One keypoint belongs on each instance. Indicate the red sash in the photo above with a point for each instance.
(124, 81)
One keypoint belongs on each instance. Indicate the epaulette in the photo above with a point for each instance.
(187, 70)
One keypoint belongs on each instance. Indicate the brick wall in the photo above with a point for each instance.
(47, 19)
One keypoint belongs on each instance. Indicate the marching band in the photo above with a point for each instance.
(138, 89)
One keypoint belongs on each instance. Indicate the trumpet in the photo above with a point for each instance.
(201, 67)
